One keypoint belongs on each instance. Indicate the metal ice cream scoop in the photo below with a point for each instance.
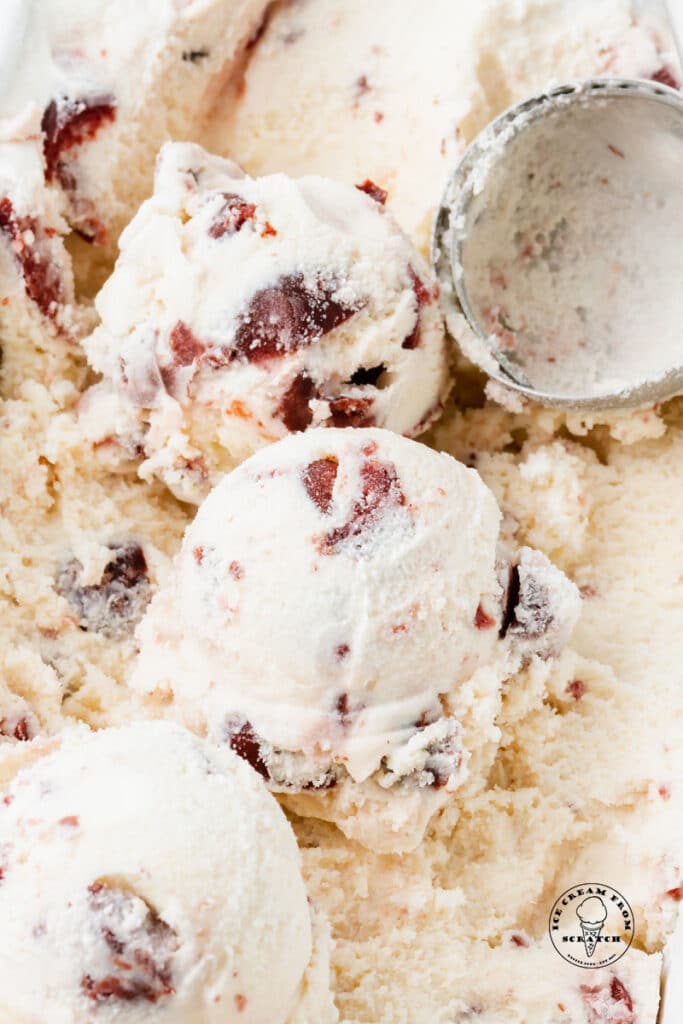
(559, 246)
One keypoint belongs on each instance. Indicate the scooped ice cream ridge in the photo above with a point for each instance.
(68, 111)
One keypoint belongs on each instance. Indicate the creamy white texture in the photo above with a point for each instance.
(89, 90)
(400, 88)
(426, 936)
(241, 309)
(40, 62)
(147, 876)
(58, 48)
(76, 48)
(672, 993)
(384, 614)
(335, 614)
(85, 94)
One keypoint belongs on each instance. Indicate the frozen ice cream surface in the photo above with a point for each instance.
(339, 616)
(39, 316)
(517, 982)
(586, 777)
(401, 88)
(149, 876)
(90, 90)
(278, 304)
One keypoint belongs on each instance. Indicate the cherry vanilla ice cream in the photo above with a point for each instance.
(88, 85)
(365, 682)
(89, 90)
(204, 518)
(279, 304)
(148, 876)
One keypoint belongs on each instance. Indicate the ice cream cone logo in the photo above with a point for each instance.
(591, 925)
(591, 934)
(592, 914)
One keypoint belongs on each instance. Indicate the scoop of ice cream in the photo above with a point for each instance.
(146, 876)
(337, 615)
(592, 911)
(243, 309)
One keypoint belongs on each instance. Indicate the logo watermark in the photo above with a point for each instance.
(591, 925)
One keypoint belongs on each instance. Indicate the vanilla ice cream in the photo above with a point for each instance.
(338, 615)
(40, 318)
(90, 90)
(456, 929)
(401, 88)
(279, 304)
(148, 876)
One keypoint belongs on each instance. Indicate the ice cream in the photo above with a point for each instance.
(457, 929)
(517, 982)
(88, 86)
(592, 911)
(339, 616)
(148, 876)
(40, 318)
(88, 92)
(278, 304)
(18, 721)
(400, 89)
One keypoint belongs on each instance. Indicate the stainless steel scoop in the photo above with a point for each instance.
(559, 240)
